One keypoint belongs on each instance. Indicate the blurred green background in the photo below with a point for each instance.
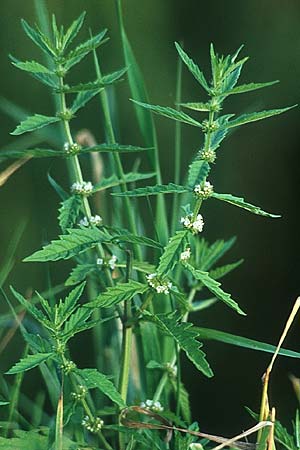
(259, 161)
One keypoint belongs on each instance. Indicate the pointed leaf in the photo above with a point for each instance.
(30, 66)
(134, 239)
(214, 287)
(209, 255)
(79, 273)
(69, 245)
(220, 272)
(240, 341)
(170, 254)
(219, 135)
(76, 55)
(82, 99)
(198, 171)
(73, 30)
(249, 87)
(171, 113)
(112, 181)
(36, 313)
(94, 379)
(185, 336)
(253, 117)
(113, 148)
(95, 85)
(77, 322)
(69, 212)
(31, 153)
(193, 68)
(34, 123)
(153, 190)
(29, 362)
(117, 294)
(38, 38)
(67, 306)
(240, 202)
(203, 107)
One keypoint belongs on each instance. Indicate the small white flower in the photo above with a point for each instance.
(99, 262)
(82, 188)
(66, 146)
(93, 220)
(195, 225)
(84, 222)
(112, 262)
(208, 155)
(150, 405)
(92, 424)
(184, 256)
(204, 191)
(161, 286)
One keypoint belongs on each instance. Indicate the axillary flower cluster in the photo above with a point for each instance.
(161, 286)
(82, 188)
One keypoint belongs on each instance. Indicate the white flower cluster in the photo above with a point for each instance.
(93, 425)
(195, 225)
(110, 262)
(82, 391)
(161, 287)
(184, 256)
(72, 149)
(152, 406)
(172, 370)
(93, 220)
(82, 187)
(68, 367)
(208, 155)
(204, 191)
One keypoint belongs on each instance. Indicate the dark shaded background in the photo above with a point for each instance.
(259, 161)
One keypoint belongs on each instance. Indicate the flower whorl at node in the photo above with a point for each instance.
(68, 367)
(150, 405)
(172, 370)
(186, 254)
(161, 286)
(82, 188)
(92, 424)
(204, 191)
(208, 155)
(195, 225)
(93, 220)
(111, 262)
(82, 391)
(207, 126)
(72, 149)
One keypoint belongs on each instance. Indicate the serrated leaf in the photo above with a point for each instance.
(214, 287)
(77, 322)
(193, 68)
(38, 38)
(36, 313)
(249, 87)
(117, 294)
(79, 273)
(185, 336)
(253, 117)
(240, 341)
(34, 123)
(130, 177)
(170, 254)
(114, 76)
(82, 98)
(198, 171)
(94, 379)
(209, 255)
(69, 245)
(220, 272)
(196, 106)
(171, 113)
(184, 401)
(31, 153)
(153, 190)
(36, 342)
(113, 148)
(216, 137)
(134, 239)
(29, 362)
(76, 55)
(95, 85)
(240, 202)
(69, 212)
(67, 306)
(30, 66)
(73, 30)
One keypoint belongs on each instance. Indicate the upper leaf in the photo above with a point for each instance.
(153, 190)
(33, 310)
(198, 171)
(94, 379)
(185, 336)
(76, 55)
(82, 99)
(31, 153)
(193, 68)
(29, 362)
(171, 113)
(170, 254)
(214, 287)
(240, 202)
(34, 123)
(117, 294)
(69, 212)
(67, 306)
(38, 38)
(30, 66)
(253, 117)
(73, 30)
(249, 87)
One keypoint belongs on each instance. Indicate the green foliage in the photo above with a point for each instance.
(198, 171)
(170, 188)
(253, 117)
(240, 202)
(69, 212)
(29, 362)
(193, 68)
(170, 254)
(117, 294)
(34, 123)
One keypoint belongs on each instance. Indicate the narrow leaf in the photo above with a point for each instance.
(171, 113)
(193, 68)
(117, 294)
(67, 306)
(203, 107)
(34, 123)
(73, 30)
(31, 153)
(76, 55)
(153, 190)
(113, 148)
(30, 66)
(69, 212)
(94, 379)
(198, 171)
(33, 310)
(214, 287)
(38, 38)
(239, 341)
(29, 362)
(184, 334)
(170, 254)
(249, 87)
(112, 181)
(79, 273)
(240, 202)
(82, 99)
(220, 272)
(253, 117)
